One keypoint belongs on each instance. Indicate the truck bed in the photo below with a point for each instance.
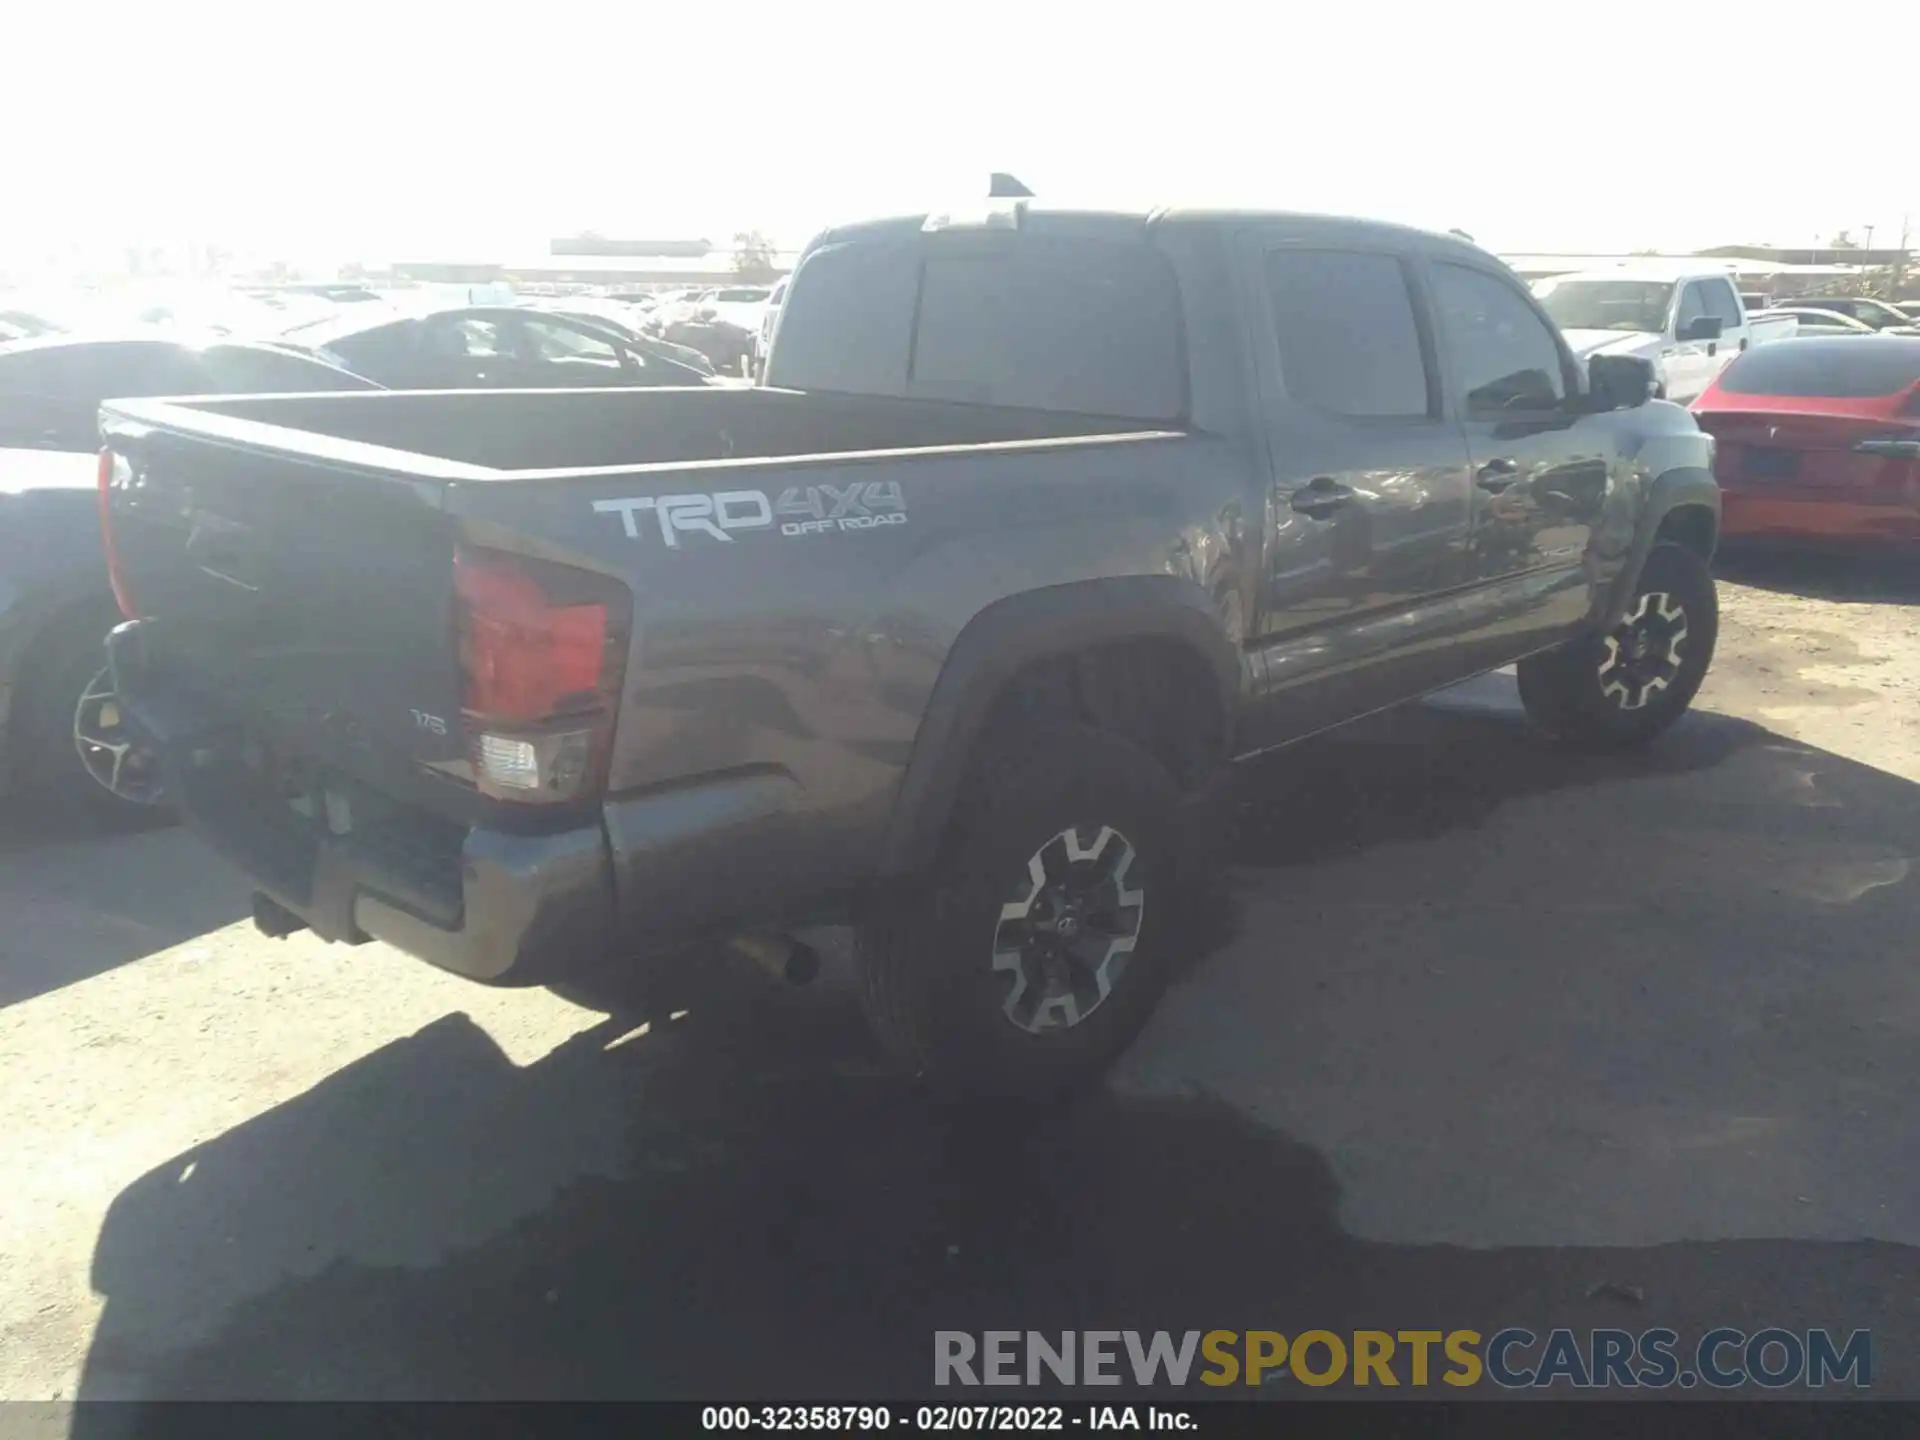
(552, 430)
(296, 553)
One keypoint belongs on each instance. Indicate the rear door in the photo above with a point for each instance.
(1540, 466)
(1368, 508)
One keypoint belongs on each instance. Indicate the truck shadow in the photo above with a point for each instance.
(77, 903)
(1424, 771)
(742, 1201)
(1880, 577)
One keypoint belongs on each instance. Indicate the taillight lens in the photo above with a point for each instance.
(542, 658)
(114, 467)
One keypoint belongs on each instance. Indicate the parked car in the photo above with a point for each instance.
(676, 305)
(60, 735)
(486, 347)
(1688, 322)
(956, 649)
(726, 345)
(1820, 439)
(51, 387)
(1827, 322)
(741, 305)
(1874, 314)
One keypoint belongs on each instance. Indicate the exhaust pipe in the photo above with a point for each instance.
(781, 956)
(273, 919)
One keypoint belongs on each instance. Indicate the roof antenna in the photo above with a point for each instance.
(1003, 186)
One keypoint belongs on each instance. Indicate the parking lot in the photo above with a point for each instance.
(1482, 1034)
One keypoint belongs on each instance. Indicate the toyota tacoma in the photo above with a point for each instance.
(951, 630)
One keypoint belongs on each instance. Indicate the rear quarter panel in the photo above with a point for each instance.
(797, 668)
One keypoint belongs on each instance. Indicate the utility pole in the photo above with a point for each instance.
(1900, 260)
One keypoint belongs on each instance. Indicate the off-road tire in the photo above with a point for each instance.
(924, 954)
(1563, 689)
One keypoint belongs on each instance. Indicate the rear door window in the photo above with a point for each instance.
(847, 323)
(1052, 325)
(1349, 342)
(1047, 323)
(466, 337)
(548, 341)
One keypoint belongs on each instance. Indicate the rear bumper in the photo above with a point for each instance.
(1826, 516)
(501, 908)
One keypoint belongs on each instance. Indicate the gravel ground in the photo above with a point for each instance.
(1487, 1035)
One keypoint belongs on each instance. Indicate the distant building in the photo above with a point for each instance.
(657, 249)
(1844, 255)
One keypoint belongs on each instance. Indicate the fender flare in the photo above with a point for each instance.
(1011, 634)
(1681, 488)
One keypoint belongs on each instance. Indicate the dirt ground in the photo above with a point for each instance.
(1826, 650)
(1488, 1034)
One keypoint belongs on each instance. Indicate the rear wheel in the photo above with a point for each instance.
(1625, 687)
(1037, 949)
(75, 748)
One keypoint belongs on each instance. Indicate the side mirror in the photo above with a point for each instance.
(1620, 382)
(1701, 327)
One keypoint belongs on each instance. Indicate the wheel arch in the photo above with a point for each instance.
(1019, 637)
(1681, 505)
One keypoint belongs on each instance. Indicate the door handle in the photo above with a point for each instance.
(1497, 475)
(1320, 496)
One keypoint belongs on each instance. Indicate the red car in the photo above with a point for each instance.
(1819, 439)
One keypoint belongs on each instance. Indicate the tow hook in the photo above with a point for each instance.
(781, 956)
(273, 919)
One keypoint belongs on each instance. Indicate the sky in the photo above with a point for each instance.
(325, 130)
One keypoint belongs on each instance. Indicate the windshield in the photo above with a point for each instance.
(1606, 304)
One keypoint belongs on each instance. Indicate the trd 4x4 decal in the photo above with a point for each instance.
(800, 510)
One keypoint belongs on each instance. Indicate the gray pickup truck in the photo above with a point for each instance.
(951, 630)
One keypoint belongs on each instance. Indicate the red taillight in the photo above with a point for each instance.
(542, 656)
(116, 576)
(523, 657)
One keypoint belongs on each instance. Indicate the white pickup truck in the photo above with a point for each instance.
(1688, 322)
